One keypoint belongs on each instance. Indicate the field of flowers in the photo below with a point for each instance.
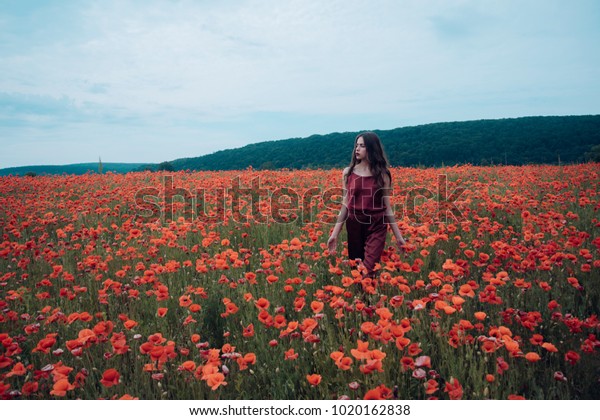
(218, 285)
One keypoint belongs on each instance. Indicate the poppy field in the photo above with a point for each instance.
(219, 285)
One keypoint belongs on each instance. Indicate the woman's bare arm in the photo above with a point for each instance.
(389, 214)
(332, 242)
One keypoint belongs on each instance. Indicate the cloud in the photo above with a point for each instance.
(259, 56)
(18, 109)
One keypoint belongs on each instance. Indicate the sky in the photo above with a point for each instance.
(150, 81)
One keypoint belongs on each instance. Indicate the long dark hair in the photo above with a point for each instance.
(378, 161)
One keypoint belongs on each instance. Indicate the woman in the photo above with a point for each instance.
(366, 207)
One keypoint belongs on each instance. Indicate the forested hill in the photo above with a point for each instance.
(515, 141)
(73, 169)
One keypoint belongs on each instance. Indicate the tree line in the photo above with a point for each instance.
(510, 141)
(514, 141)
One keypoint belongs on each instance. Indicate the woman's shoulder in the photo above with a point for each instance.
(387, 177)
(346, 171)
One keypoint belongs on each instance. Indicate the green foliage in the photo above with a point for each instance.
(594, 154)
(166, 166)
(516, 141)
(75, 169)
(147, 167)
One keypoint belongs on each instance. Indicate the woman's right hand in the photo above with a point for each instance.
(332, 244)
(401, 244)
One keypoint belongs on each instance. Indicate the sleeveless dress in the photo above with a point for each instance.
(365, 225)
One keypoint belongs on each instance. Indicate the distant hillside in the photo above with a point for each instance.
(514, 141)
(74, 169)
(511, 141)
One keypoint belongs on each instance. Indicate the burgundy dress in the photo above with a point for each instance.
(365, 225)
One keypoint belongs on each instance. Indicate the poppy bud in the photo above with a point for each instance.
(47, 368)
(559, 376)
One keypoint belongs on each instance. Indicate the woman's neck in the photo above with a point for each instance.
(363, 168)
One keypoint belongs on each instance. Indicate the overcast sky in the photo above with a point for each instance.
(149, 81)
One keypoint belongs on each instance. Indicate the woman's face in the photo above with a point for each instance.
(360, 150)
